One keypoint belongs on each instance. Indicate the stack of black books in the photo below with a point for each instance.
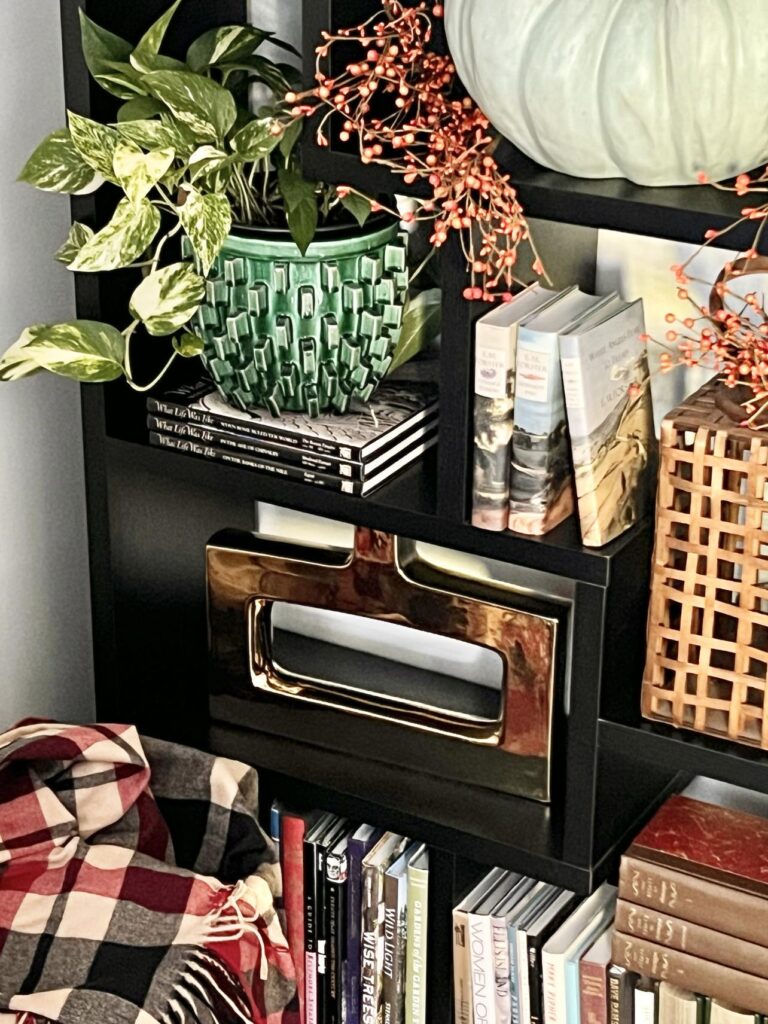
(353, 453)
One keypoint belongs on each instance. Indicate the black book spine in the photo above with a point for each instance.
(306, 476)
(257, 449)
(322, 935)
(534, 945)
(336, 954)
(310, 932)
(250, 428)
(621, 995)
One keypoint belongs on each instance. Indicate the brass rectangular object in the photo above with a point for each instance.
(382, 580)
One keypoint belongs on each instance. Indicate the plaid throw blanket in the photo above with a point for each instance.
(136, 886)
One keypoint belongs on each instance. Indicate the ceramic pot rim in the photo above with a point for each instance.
(329, 241)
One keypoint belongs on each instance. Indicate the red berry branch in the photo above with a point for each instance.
(401, 101)
(729, 333)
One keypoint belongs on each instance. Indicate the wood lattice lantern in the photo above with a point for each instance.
(707, 660)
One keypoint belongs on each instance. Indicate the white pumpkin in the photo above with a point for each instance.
(651, 90)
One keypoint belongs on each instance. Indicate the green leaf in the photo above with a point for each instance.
(302, 222)
(147, 134)
(146, 56)
(294, 187)
(207, 220)
(123, 240)
(102, 50)
(281, 43)
(261, 69)
(358, 206)
(189, 345)
(291, 136)
(256, 140)
(138, 172)
(79, 234)
(95, 143)
(168, 298)
(421, 325)
(83, 350)
(212, 164)
(122, 79)
(229, 42)
(139, 109)
(202, 105)
(57, 166)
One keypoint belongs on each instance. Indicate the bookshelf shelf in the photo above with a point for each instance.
(688, 752)
(151, 513)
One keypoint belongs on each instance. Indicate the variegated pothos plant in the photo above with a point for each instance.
(190, 156)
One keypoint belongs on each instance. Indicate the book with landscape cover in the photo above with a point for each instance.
(396, 409)
(690, 972)
(376, 862)
(702, 863)
(674, 933)
(495, 353)
(359, 844)
(610, 419)
(333, 483)
(541, 482)
(416, 941)
(294, 457)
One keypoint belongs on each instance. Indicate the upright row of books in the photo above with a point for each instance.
(683, 940)
(562, 415)
(353, 453)
(356, 907)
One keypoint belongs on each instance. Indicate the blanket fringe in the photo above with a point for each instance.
(207, 992)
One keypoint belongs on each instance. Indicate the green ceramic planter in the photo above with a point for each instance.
(304, 333)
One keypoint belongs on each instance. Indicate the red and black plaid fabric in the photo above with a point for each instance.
(136, 885)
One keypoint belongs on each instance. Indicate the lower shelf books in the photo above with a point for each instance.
(356, 908)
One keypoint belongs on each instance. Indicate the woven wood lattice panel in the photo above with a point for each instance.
(707, 660)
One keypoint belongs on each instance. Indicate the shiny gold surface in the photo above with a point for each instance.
(374, 582)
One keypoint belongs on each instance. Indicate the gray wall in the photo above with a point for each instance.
(45, 639)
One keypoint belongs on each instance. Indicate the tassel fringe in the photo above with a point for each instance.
(208, 993)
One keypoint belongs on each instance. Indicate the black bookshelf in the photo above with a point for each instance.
(151, 513)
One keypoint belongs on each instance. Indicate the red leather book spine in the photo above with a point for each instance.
(593, 987)
(292, 856)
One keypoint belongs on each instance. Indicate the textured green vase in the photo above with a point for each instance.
(304, 333)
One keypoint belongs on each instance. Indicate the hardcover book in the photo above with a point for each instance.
(706, 943)
(363, 840)
(323, 846)
(395, 932)
(483, 948)
(677, 1006)
(593, 981)
(495, 353)
(293, 830)
(534, 903)
(376, 862)
(702, 863)
(726, 1013)
(691, 973)
(462, 983)
(395, 410)
(532, 935)
(334, 483)
(610, 419)
(541, 483)
(311, 915)
(646, 1001)
(336, 875)
(294, 458)
(416, 941)
(621, 995)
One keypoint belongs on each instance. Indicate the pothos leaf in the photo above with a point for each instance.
(123, 240)
(79, 234)
(57, 166)
(146, 56)
(228, 42)
(139, 109)
(207, 220)
(138, 172)
(102, 50)
(257, 139)
(83, 350)
(95, 143)
(189, 345)
(291, 136)
(203, 106)
(168, 298)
